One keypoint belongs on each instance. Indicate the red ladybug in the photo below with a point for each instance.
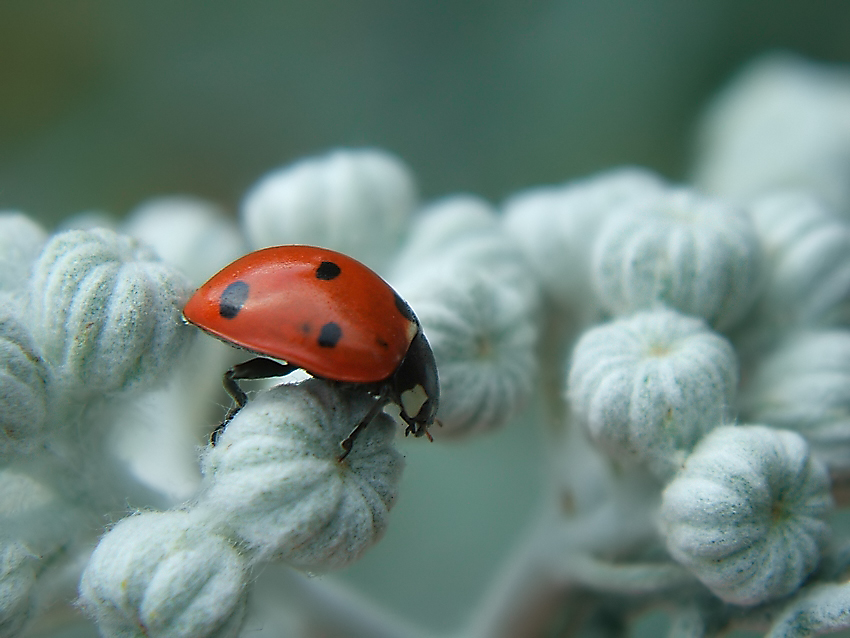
(328, 314)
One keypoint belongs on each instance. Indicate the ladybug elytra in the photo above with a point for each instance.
(310, 308)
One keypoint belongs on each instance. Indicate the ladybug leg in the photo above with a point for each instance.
(377, 406)
(258, 368)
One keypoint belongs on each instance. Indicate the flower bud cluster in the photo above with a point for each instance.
(88, 317)
(274, 487)
(744, 508)
(478, 305)
(644, 305)
(693, 295)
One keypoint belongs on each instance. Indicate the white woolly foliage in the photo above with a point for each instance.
(187, 232)
(23, 388)
(274, 479)
(695, 254)
(555, 226)
(356, 201)
(106, 311)
(782, 123)
(457, 235)
(477, 302)
(21, 240)
(648, 387)
(483, 338)
(461, 222)
(808, 252)
(17, 582)
(805, 386)
(817, 610)
(165, 575)
(747, 513)
(91, 314)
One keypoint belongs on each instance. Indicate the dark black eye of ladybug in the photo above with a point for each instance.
(232, 299)
(327, 270)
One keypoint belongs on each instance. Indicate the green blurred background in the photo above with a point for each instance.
(107, 102)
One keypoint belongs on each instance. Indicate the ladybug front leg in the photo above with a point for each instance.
(377, 406)
(258, 368)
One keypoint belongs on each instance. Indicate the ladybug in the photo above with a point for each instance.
(310, 308)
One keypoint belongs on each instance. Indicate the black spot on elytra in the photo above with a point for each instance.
(327, 270)
(403, 308)
(329, 335)
(232, 299)
(382, 343)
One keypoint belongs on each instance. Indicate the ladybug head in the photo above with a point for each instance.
(415, 387)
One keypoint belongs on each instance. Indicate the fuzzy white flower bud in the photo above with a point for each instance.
(747, 513)
(21, 240)
(816, 610)
(356, 201)
(23, 388)
(460, 234)
(695, 254)
(805, 386)
(106, 311)
(481, 322)
(648, 387)
(555, 226)
(189, 233)
(17, 582)
(808, 254)
(464, 223)
(783, 122)
(165, 575)
(275, 480)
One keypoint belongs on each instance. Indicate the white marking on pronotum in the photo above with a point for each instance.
(412, 330)
(412, 400)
